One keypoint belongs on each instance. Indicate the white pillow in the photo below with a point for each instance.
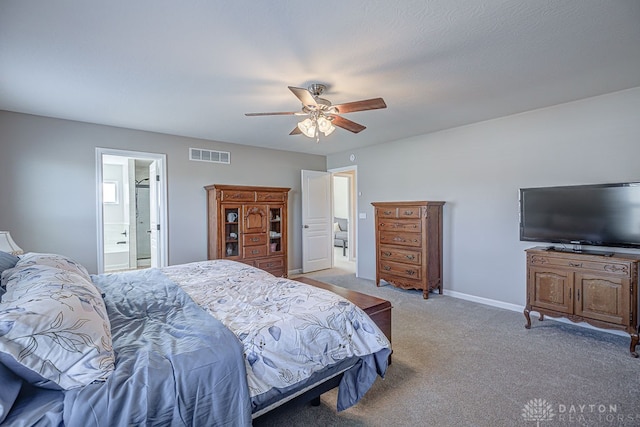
(54, 260)
(54, 323)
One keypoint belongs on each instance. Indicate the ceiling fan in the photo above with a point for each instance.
(322, 116)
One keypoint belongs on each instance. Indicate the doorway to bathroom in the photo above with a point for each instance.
(132, 209)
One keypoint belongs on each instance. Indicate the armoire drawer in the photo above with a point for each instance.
(254, 251)
(254, 239)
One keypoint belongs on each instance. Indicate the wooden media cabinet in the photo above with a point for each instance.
(598, 288)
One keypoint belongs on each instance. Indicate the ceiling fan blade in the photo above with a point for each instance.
(367, 104)
(283, 113)
(295, 131)
(304, 96)
(347, 124)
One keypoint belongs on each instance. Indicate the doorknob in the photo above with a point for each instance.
(306, 226)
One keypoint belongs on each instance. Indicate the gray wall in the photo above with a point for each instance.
(478, 170)
(48, 184)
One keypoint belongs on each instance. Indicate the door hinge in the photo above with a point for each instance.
(158, 227)
(158, 178)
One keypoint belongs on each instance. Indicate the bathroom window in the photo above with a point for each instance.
(109, 192)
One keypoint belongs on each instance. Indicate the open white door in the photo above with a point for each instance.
(317, 221)
(154, 207)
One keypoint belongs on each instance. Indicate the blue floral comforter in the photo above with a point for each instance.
(289, 330)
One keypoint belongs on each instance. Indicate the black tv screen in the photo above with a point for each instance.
(599, 215)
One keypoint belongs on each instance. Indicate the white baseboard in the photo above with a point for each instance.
(520, 308)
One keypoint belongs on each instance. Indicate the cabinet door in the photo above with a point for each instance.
(602, 297)
(254, 219)
(230, 247)
(275, 229)
(551, 289)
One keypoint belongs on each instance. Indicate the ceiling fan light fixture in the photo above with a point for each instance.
(325, 126)
(308, 127)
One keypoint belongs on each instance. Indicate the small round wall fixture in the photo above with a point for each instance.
(352, 157)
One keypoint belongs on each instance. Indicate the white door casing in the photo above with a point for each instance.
(158, 203)
(153, 213)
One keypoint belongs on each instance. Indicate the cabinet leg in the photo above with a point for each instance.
(528, 318)
(634, 343)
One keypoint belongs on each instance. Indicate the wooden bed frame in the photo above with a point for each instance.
(378, 309)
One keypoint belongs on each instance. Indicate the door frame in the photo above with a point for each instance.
(353, 211)
(161, 201)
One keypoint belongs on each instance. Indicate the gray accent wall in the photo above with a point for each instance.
(478, 170)
(48, 184)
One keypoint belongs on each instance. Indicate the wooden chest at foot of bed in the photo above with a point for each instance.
(378, 309)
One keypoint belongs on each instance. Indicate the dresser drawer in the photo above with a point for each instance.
(254, 239)
(618, 268)
(401, 270)
(408, 256)
(254, 251)
(399, 238)
(409, 212)
(385, 212)
(412, 225)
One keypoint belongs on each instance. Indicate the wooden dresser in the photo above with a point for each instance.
(248, 224)
(598, 288)
(409, 244)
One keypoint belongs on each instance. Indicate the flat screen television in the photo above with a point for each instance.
(598, 215)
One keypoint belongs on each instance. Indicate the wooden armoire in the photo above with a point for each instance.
(248, 224)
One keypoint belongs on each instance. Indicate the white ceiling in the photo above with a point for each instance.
(194, 68)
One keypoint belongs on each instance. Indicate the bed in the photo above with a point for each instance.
(205, 343)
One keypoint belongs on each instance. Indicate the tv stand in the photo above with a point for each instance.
(585, 287)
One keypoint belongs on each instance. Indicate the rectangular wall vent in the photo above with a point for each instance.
(211, 156)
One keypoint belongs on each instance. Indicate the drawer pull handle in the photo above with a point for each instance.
(386, 267)
(398, 239)
(386, 253)
(408, 212)
(388, 212)
(411, 257)
(255, 251)
(410, 272)
(575, 264)
(255, 239)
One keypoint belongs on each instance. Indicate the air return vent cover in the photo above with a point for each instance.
(212, 156)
